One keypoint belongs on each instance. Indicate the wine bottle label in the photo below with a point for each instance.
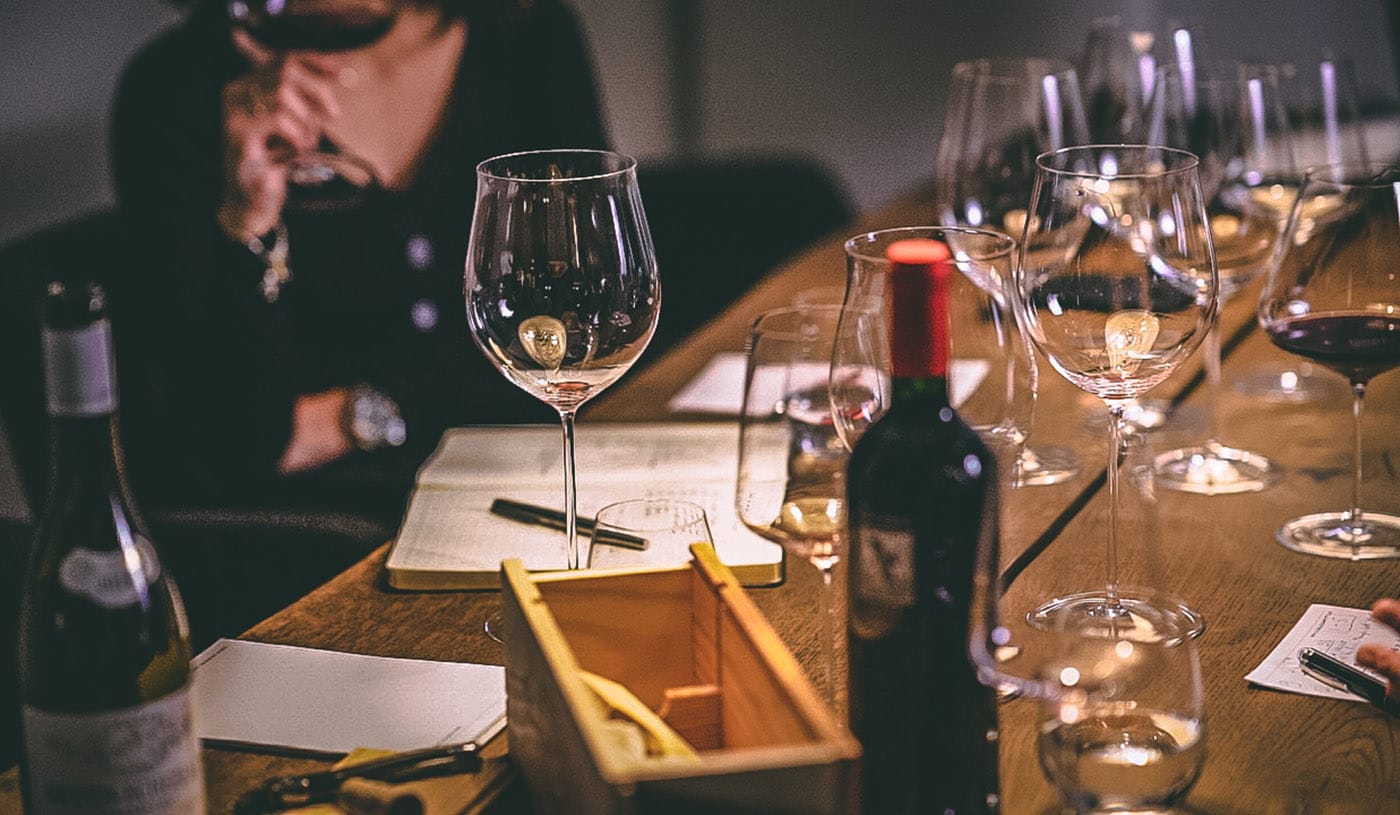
(106, 578)
(882, 556)
(142, 760)
(79, 373)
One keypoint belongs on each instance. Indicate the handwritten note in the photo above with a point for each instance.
(1334, 630)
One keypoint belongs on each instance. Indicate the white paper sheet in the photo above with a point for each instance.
(450, 539)
(718, 390)
(330, 702)
(1334, 630)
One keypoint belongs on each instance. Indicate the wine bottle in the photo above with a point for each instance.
(921, 492)
(104, 648)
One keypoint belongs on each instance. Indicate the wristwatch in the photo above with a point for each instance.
(372, 419)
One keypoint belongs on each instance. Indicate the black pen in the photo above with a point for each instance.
(554, 519)
(1342, 676)
(290, 791)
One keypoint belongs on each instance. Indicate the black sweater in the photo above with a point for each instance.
(210, 369)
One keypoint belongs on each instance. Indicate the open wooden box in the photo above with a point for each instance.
(686, 641)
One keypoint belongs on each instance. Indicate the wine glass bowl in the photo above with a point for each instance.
(561, 283)
(1117, 286)
(1332, 298)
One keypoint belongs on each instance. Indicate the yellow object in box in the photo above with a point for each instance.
(691, 646)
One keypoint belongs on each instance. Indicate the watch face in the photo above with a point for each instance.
(374, 420)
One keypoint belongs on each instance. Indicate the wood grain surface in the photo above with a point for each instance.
(1267, 752)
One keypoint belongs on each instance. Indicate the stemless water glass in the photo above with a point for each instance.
(1333, 298)
(561, 286)
(791, 486)
(1117, 285)
(1122, 714)
(1001, 115)
(668, 526)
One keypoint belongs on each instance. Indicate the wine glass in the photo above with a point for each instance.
(1122, 714)
(860, 356)
(1230, 116)
(791, 486)
(562, 293)
(1333, 298)
(1117, 70)
(1002, 114)
(1116, 282)
(669, 526)
(324, 179)
(1324, 126)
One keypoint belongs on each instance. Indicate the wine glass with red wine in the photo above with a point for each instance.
(325, 179)
(1333, 298)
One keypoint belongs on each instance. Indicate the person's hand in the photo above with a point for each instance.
(318, 432)
(277, 109)
(1378, 657)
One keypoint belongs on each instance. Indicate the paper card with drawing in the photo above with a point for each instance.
(1334, 630)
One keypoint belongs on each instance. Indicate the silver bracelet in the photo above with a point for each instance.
(276, 272)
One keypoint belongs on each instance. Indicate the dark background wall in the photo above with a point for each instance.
(859, 85)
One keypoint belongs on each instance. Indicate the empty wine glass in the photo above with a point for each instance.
(1001, 115)
(791, 486)
(324, 179)
(1333, 298)
(1117, 70)
(1117, 284)
(1230, 117)
(1324, 126)
(561, 283)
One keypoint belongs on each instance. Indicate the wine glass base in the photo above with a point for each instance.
(495, 627)
(1289, 385)
(1214, 469)
(1331, 534)
(1043, 466)
(1132, 611)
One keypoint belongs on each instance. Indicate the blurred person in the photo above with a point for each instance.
(325, 388)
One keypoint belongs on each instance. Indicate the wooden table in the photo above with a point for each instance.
(1267, 752)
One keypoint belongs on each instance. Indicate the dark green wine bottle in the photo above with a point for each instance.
(104, 648)
(921, 494)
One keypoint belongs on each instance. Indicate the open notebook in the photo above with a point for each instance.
(450, 540)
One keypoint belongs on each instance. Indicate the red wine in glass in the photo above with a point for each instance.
(313, 26)
(1356, 344)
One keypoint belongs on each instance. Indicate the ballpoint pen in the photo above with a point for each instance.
(1338, 674)
(554, 519)
(286, 792)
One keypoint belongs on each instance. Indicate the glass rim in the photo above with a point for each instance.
(627, 164)
(694, 513)
(853, 243)
(1352, 174)
(1013, 68)
(824, 309)
(1189, 161)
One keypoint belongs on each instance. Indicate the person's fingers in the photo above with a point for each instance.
(316, 92)
(1386, 661)
(1387, 610)
(252, 50)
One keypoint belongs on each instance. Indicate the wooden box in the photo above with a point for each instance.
(687, 642)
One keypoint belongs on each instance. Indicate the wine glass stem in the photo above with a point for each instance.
(1212, 393)
(1115, 455)
(566, 418)
(828, 641)
(1358, 394)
